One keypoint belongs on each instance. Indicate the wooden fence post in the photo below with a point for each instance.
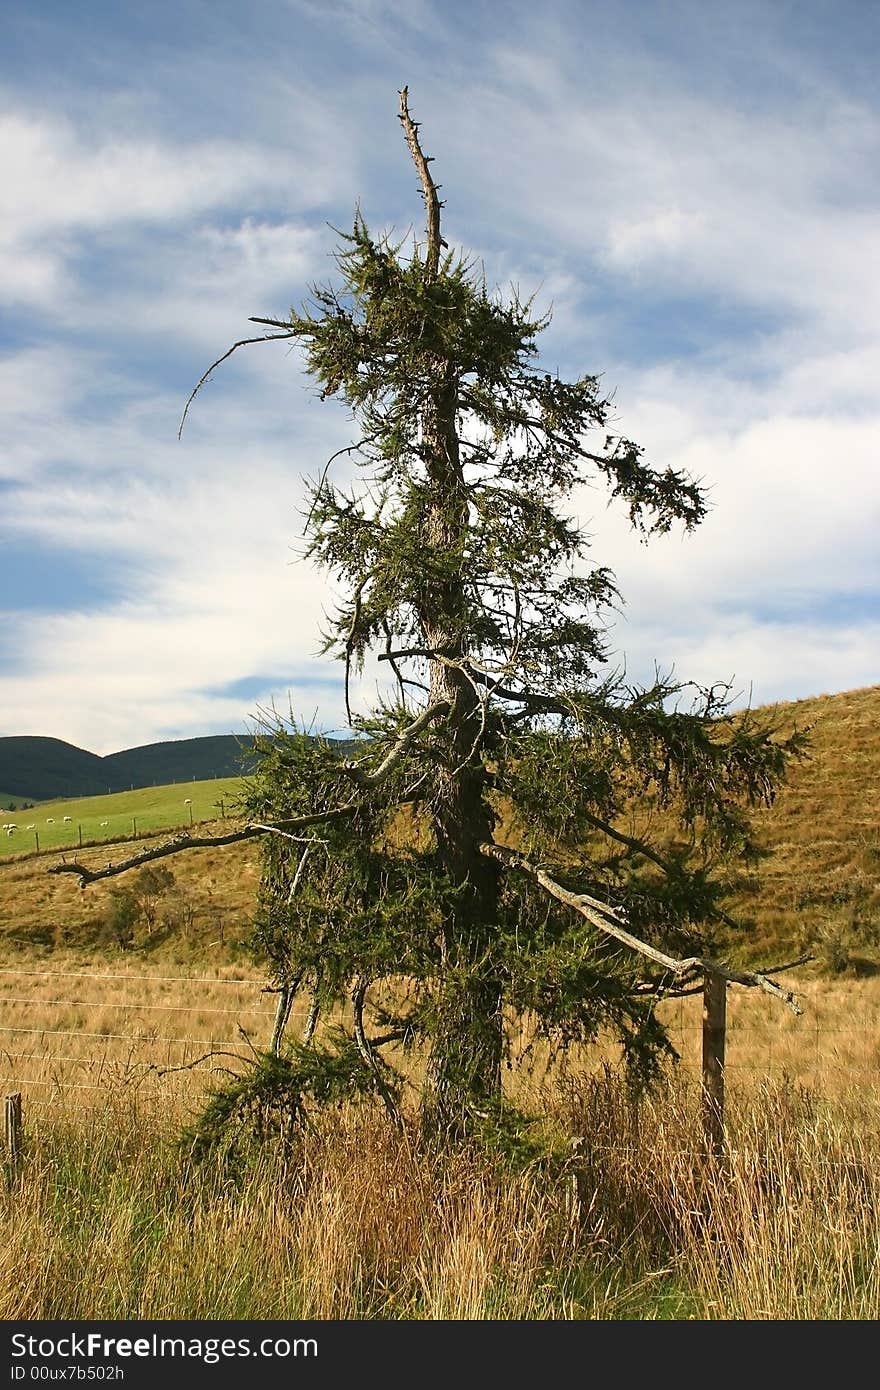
(714, 1037)
(12, 1128)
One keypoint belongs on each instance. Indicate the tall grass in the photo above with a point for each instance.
(619, 1217)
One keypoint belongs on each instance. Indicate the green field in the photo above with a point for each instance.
(103, 819)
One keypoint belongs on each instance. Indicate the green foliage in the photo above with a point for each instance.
(268, 1103)
(123, 915)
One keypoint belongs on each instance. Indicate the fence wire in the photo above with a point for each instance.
(788, 1046)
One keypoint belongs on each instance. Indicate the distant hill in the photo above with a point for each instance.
(44, 769)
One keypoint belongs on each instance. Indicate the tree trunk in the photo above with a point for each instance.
(464, 1070)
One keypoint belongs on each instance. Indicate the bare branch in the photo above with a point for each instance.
(350, 644)
(286, 996)
(429, 187)
(608, 921)
(311, 1022)
(639, 847)
(389, 657)
(190, 1066)
(432, 652)
(682, 992)
(547, 703)
(288, 990)
(346, 449)
(186, 841)
(285, 834)
(273, 323)
(242, 342)
(399, 748)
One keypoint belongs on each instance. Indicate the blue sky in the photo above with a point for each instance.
(694, 188)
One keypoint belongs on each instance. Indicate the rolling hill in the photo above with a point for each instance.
(44, 769)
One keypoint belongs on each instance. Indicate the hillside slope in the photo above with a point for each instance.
(816, 886)
(818, 883)
(40, 768)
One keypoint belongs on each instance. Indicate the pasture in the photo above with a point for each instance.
(90, 820)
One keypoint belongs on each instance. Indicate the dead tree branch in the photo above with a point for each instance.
(185, 841)
(398, 749)
(242, 342)
(607, 920)
(365, 1048)
(429, 187)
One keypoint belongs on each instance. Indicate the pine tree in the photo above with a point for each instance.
(520, 839)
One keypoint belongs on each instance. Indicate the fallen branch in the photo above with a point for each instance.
(606, 919)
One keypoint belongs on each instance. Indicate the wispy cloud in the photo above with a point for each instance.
(703, 213)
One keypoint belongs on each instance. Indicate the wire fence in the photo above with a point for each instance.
(61, 1030)
(92, 1032)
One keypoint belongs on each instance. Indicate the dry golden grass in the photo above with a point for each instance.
(80, 1024)
(106, 1221)
(212, 903)
(819, 880)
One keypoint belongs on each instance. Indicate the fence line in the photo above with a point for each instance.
(61, 1085)
(142, 979)
(704, 1045)
(106, 1004)
(119, 1037)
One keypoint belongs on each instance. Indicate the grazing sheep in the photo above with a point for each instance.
(104, 822)
(67, 818)
(32, 827)
(50, 820)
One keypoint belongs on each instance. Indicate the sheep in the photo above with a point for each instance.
(67, 818)
(104, 822)
(32, 827)
(50, 820)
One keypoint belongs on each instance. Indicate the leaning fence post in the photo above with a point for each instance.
(12, 1129)
(714, 1031)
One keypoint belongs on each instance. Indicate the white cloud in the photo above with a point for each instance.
(669, 188)
(765, 662)
(60, 189)
(52, 178)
